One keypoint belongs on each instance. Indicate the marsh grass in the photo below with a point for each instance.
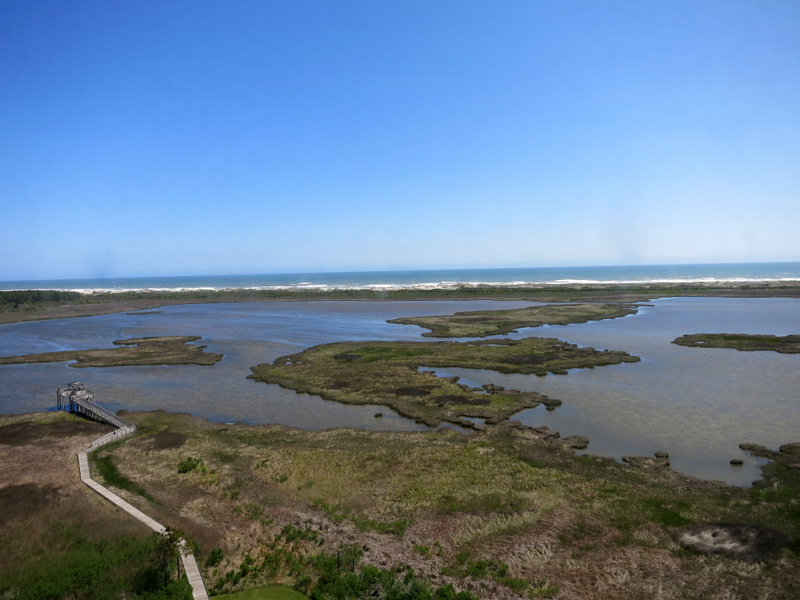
(63, 542)
(73, 566)
(508, 508)
(388, 373)
(111, 475)
(787, 344)
(170, 350)
(498, 322)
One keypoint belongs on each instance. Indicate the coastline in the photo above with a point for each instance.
(91, 303)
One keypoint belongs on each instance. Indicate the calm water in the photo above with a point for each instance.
(698, 404)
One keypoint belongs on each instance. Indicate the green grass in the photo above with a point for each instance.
(269, 592)
(71, 566)
(112, 476)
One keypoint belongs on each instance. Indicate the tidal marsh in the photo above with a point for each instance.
(388, 373)
(787, 344)
(498, 322)
(500, 513)
(166, 350)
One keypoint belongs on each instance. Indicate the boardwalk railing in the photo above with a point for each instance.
(110, 437)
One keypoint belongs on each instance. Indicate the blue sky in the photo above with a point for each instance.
(199, 137)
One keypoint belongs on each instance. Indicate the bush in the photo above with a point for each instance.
(189, 465)
(214, 558)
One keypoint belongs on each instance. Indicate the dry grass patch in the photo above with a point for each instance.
(41, 492)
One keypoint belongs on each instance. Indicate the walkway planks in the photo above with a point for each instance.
(189, 562)
(83, 461)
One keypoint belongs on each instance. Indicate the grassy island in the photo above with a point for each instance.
(481, 323)
(167, 350)
(787, 344)
(388, 373)
(508, 513)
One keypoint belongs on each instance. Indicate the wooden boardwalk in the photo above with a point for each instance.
(199, 591)
(86, 477)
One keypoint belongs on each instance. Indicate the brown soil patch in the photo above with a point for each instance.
(456, 399)
(22, 434)
(165, 440)
(414, 390)
(25, 500)
(42, 486)
(738, 540)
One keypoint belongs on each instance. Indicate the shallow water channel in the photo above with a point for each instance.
(696, 403)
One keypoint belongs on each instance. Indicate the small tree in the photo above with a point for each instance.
(165, 548)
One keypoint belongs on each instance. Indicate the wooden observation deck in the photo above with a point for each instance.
(76, 398)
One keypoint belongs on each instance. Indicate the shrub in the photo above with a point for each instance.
(214, 558)
(189, 465)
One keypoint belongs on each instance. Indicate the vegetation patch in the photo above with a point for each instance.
(111, 475)
(72, 566)
(787, 344)
(388, 373)
(499, 322)
(337, 583)
(168, 350)
(190, 464)
(268, 592)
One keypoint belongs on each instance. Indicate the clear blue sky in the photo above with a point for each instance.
(198, 137)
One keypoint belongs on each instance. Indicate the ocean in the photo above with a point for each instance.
(431, 279)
